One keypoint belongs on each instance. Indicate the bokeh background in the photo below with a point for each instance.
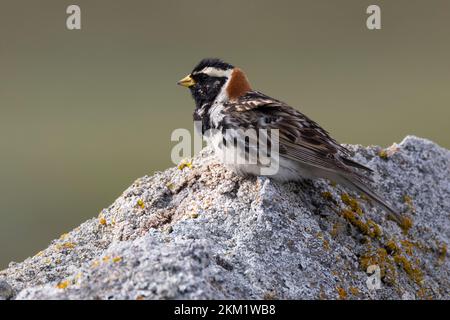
(85, 113)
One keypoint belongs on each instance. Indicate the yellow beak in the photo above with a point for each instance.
(186, 81)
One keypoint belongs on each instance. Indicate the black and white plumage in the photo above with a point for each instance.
(226, 103)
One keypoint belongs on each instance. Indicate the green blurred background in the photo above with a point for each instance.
(85, 113)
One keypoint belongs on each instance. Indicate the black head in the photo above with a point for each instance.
(207, 79)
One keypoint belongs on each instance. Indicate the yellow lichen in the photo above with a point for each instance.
(63, 284)
(170, 186)
(39, 254)
(117, 259)
(366, 198)
(185, 163)
(351, 202)
(405, 224)
(408, 247)
(64, 236)
(335, 229)
(327, 195)
(413, 272)
(442, 253)
(409, 202)
(351, 217)
(106, 258)
(68, 245)
(77, 277)
(392, 247)
(141, 203)
(383, 154)
(375, 229)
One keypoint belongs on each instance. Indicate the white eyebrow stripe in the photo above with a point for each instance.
(214, 72)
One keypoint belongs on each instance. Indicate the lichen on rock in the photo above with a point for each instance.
(204, 233)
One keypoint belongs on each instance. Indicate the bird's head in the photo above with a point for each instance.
(214, 79)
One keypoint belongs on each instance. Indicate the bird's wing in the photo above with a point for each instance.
(300, 138)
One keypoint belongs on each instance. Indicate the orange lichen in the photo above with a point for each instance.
(63, 284)
(95, 264)
(342, 293)
(369, 228)
(354, 291)
(377, 257)
(326, 245)
(423, 293)
(102, 221)
(381, 259)
(413, 272)
(322, 294)
(270, 295)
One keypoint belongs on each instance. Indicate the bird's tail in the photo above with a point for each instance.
(358, 185)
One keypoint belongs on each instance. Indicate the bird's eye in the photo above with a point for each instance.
(201, 77)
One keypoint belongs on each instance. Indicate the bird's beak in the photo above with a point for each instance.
(186, 81)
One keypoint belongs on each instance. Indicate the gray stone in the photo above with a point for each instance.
(6, 291)
(205, 233)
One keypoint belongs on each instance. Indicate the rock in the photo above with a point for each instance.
(6, 291)
(204, 233)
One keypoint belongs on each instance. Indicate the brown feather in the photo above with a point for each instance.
(238, 84)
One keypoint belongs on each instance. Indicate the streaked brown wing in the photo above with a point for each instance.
(301, 139)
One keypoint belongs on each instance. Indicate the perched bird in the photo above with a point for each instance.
(226, 103)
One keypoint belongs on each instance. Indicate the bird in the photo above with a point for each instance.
(226, 105)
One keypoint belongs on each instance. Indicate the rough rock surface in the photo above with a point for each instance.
(202, 232)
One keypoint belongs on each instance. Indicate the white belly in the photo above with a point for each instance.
(248, 163)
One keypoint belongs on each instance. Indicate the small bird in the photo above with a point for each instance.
(225, 104)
